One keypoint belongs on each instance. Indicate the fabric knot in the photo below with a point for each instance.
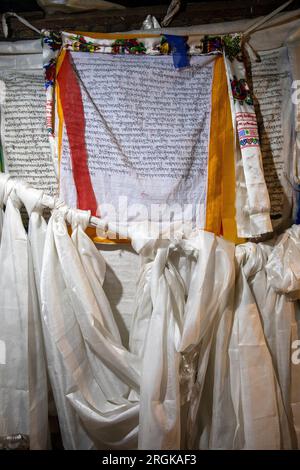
(13, 196)
(31, 198)
(77, 217)
(58, 203)
(251, 257)
(73, 217)
(46, 202)
(9, 186)
(58, 220)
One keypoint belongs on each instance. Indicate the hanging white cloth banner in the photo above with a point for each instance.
(101, 372)
(73, 434)
(204, 345)
(129, 399)
(169, 331)
(57, 373)
(283, 268)
(38, 387)
(26, 154)
(14, 387)
(23, 387)
(251, 370)
(252, 198)
(284, 277)
(293, 44)
(157, 325)
(280, 329)
(213, 333)
(271, 83)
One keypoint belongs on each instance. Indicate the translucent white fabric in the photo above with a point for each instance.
(278, 320)
(157, 324)
(131, 398)
(101, 371)
(23, 387)
(283, 266)
(23, 56)
(175, 314)
(209, 358)
(73, 436)
(261, 423)
(204, 343)
(249, 360)
(283, 276)
(293, 43)
(72, 432)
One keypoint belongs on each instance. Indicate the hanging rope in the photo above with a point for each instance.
(246, 35)
(263, 20)
(22, 20)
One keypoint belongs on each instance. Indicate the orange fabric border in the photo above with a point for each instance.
(60, 113)
(114, 35)
(220, 200)
(91, 232)
(216, 139)
(60, 117)
(60, 59)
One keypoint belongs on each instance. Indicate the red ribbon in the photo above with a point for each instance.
(73, 111)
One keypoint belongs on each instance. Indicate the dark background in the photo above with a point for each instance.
(191, 13)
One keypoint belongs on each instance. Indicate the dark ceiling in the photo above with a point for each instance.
(31, 5)
(192, 12)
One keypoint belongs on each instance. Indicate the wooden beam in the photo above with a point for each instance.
(132, 18)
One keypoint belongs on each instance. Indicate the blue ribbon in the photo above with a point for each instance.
(179, 50)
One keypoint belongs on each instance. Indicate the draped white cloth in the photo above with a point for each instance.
(209, 358)
(283, 275)
(250, 359)
(101, 371)
(23, 385)
(260, 421)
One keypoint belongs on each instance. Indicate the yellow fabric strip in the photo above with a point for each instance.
(60, 116)
(217, 135)
(60, 60)
(60, 113)
(220, 204)
(137, 35)
(91, 232)
(114, 35)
